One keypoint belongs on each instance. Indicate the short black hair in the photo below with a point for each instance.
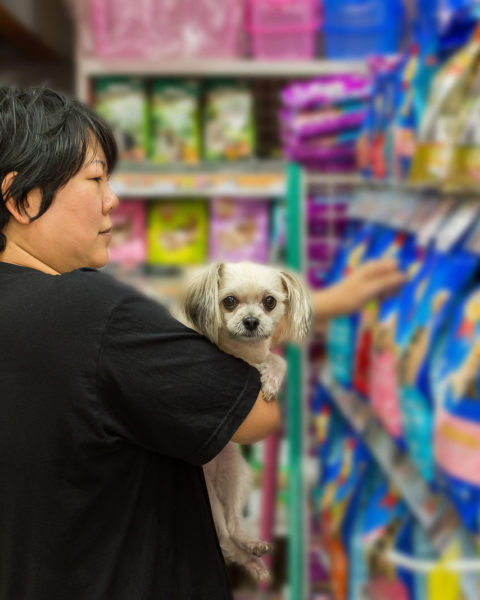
(44, 137)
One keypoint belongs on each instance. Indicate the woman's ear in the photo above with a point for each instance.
(31, 205)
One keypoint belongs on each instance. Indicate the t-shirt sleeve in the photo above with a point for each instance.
(167, 388)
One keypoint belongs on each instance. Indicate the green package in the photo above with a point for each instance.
(123, 103)
(175, 122)
(229, 132)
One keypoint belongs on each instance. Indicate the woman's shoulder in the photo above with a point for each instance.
(92, 287)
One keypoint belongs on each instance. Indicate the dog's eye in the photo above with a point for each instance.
(269, 302)
(230, 302)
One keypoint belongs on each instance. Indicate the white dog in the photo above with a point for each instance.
(239, 307)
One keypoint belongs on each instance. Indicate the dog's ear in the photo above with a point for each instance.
(298, 315)
(200, 301)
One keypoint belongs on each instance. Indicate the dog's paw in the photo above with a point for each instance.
(272, 373)
(259, 548)
(258, 570)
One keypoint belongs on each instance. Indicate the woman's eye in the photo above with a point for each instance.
(230, 302)
(97, 179)
(269, 302)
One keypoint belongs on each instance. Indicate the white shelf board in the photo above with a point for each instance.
(211, 67)
(250, 179)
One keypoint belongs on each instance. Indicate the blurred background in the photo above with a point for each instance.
(314, 135)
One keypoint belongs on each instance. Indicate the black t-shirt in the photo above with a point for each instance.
(108, 409)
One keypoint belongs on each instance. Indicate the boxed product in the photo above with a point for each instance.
(128, 247)
(239, 230)
(229, 131)
(175, 121)
(122, 102)
(177, 232)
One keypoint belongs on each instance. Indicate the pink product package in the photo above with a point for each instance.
(326, 91)
(321, 121)
(239, 230)
(166, 28)
(129, 246)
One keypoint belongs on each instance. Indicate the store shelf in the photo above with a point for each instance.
(211, 67)
(87, 67)
(433, 511)
(251, 179)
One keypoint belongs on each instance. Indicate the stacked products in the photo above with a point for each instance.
(165, 124)
(321, 120)
(414, 358)
(169, 233)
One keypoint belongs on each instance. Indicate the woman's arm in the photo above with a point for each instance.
(261, 421)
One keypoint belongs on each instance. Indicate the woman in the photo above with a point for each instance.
(109, 406)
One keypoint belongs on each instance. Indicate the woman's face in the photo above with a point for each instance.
(75, 231)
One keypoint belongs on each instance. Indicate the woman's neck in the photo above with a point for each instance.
(17, 255)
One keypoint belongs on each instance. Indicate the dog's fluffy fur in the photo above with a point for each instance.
(239, 307)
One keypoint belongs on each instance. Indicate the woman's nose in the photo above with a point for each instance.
(110, 200)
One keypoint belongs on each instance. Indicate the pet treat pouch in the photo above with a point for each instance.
(128, 247)
(175, 122)
(229, 131)
(177, 233)
(122, 102)
(239, 230)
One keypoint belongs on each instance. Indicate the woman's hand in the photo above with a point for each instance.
(373, 279)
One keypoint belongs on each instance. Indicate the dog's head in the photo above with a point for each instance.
(248, 302)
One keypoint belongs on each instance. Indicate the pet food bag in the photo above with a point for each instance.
(239, 230)
(447, 277)
(342, 331)
(177, 232)
(457, 422)
(383, 381)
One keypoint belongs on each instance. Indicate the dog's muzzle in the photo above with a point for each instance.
(250, 323)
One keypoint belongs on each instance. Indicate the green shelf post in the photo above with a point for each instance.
(296, 549)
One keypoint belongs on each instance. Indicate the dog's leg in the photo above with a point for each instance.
(232, 552)
(233, 485)
(272, 372)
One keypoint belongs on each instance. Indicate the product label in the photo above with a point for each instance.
(457, 447)
(384, 394)
(417, 421)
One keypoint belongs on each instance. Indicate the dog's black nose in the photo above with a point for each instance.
(251, 323)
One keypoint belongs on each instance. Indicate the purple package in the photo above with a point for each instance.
(322, 121)
(319, 153)
(316, 276)
(128, 247)
(328, 90)
(239, 230)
